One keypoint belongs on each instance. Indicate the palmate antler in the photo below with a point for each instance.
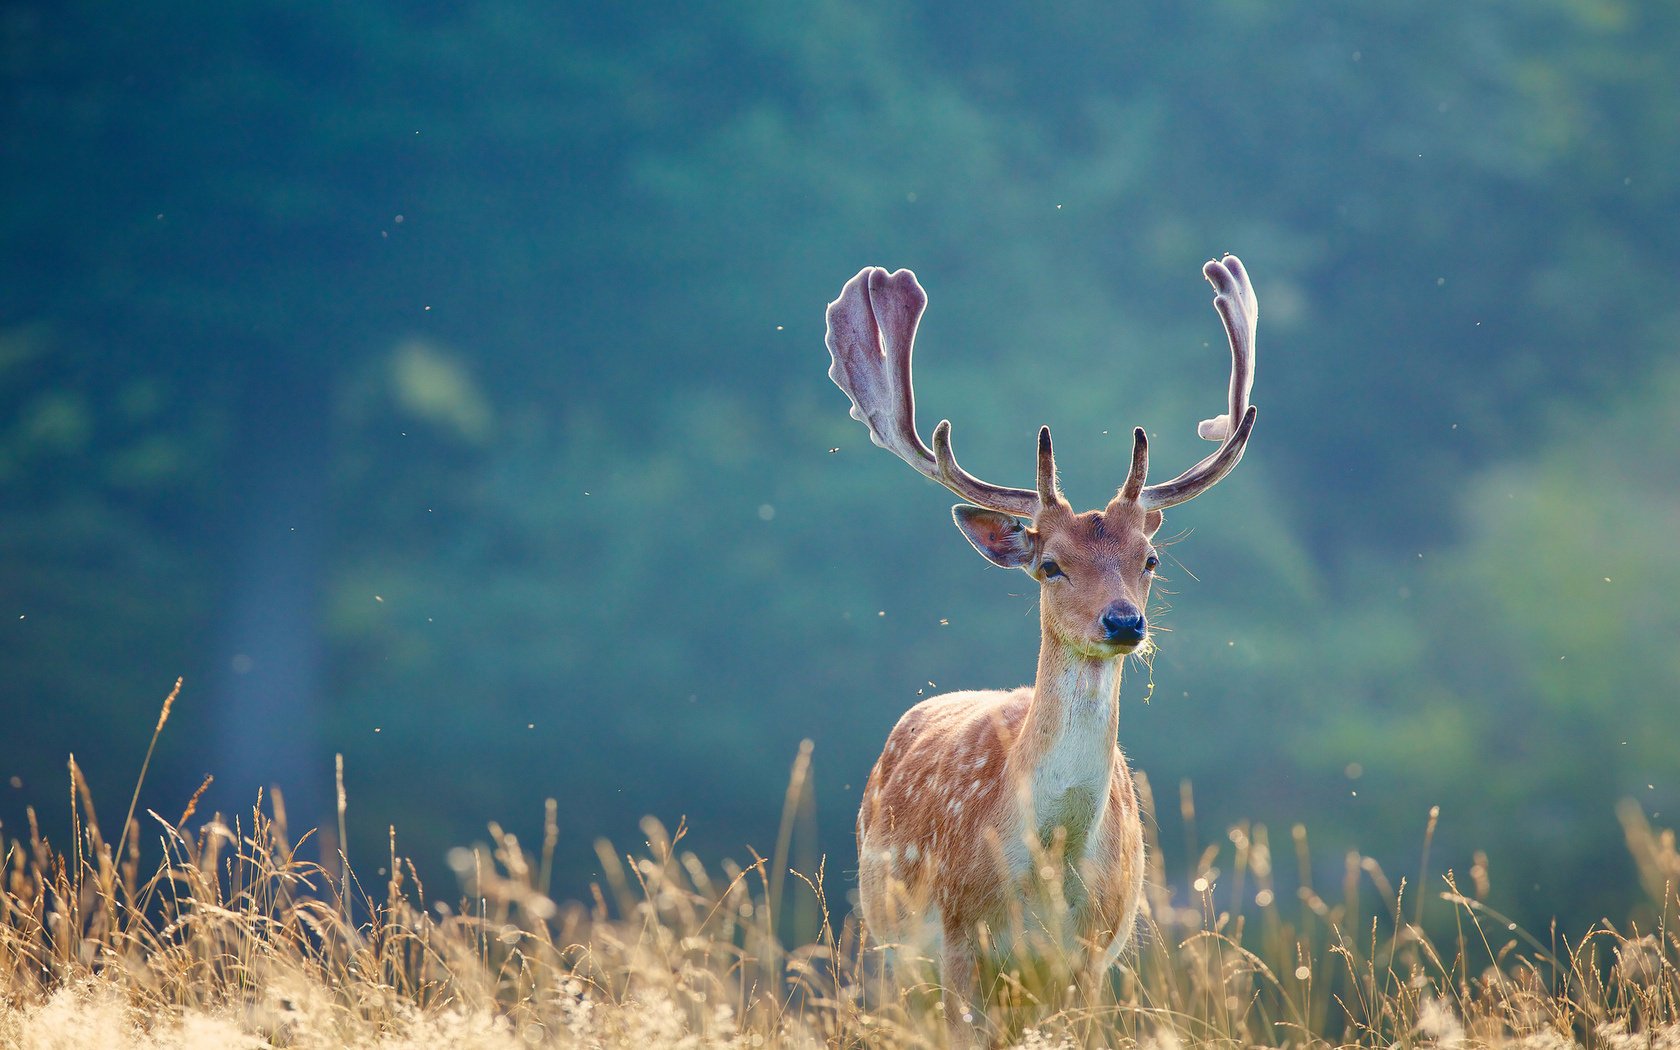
(1233, 297)
(872, 334)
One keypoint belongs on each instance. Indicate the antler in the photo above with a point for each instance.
(871, 334)
(1234, 299)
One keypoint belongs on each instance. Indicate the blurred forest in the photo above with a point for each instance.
(443, 386)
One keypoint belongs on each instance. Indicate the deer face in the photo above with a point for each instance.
(1094, 570)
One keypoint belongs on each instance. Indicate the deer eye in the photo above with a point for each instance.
(1050, 569)
(1150, 562)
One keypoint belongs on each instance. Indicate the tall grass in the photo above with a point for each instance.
(226, 935)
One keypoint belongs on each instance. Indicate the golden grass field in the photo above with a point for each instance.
(212, 931)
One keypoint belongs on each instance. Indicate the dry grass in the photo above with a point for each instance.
(232, 939)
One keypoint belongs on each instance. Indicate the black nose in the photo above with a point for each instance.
(1123, 624)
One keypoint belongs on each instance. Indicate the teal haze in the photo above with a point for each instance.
(443, 386)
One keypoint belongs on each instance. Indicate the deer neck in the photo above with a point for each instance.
(1066, 750)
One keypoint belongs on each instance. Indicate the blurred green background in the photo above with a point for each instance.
(443, 386)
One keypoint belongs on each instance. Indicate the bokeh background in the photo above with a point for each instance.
(442, 386)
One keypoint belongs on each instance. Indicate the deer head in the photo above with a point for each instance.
(1094, 569)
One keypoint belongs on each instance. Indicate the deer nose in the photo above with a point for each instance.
(1123, 624)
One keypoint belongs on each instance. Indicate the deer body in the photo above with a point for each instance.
(994, 817)
(945, 828)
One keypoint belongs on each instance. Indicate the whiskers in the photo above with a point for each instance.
(1163, 549)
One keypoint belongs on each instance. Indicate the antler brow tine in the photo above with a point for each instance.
(1133, 487)
(1049, 489)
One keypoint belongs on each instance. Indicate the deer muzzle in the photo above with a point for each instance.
(1123, 626)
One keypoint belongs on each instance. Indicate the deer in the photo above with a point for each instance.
(989, 805)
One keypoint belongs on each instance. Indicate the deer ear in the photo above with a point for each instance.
(1152, 522)
(1002, 540)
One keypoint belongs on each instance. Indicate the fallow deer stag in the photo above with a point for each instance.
(975, 789)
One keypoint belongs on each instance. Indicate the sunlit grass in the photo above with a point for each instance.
(218, 932)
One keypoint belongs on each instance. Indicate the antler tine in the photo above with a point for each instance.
(1049, 489)
(1133, 488)
(1239, 310)
(1204, 475)
(871, 336)
(949, 473)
